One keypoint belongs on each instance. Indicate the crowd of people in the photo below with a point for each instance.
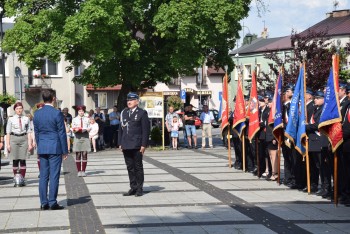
(261, 152)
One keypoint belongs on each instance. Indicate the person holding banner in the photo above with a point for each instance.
(265, 168)
(315, 141)
(287, 152)
(271, 144)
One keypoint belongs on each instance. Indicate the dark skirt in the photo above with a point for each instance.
(272, 146)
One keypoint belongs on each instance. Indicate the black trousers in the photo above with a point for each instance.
(263, 155)
(326, 168)
(237, 145)
(314, 158)
(114, 135)
(299, 168)
(133, 161)
(288, 162)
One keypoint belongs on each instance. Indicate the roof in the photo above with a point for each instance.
(212, 71)
(90, 87)
(337, 24)
(264, 44)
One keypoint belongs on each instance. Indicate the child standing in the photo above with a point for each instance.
(175, 132)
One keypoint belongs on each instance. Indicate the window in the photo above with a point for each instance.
(258, 70)
(247, 73)
(200, 76)
(49, 68)
(78, 70)
(100, 99)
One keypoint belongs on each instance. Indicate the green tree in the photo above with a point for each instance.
(133, 43)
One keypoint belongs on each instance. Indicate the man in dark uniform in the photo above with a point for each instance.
(132, 140)
(315, 142)
(343, 159)
(287, 152)
(298, 162)
(264, 160)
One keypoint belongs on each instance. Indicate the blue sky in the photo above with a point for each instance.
(284, 15)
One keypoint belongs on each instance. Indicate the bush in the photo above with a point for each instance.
(156, 136)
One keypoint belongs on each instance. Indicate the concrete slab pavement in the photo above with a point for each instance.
(185, 191)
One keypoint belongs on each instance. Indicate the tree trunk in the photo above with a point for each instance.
(126, 88)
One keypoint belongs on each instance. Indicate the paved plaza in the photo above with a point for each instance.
(185, 191)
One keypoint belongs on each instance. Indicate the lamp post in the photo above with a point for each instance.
(2, 52)
(2, 13)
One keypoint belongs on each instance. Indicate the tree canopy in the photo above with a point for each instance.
(133, 43)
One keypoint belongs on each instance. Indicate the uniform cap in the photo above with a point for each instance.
(309, 91)
(132, 96)
(348, 88)
(342, 85)
(319, 93)
(261, 98)
(288, 87)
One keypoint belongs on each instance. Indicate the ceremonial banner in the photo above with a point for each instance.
(224, 104)
(330, 120)
(239, 112)
(253, 110)
(278, 121)
(295, 130)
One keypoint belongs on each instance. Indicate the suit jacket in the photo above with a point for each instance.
(50, 131)
(312, 130)
(134, 129)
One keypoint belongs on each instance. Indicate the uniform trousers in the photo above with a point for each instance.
(299, 168)
(287, 155)
(314, 159)
(133, 161)
(325, 169)
(237, 145)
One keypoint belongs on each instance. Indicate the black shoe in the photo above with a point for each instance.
(44, 207)
(319, 192)
(295, 186)
(190, 147)
(129, 193)
(327, 194)
(138, 193)
(56, 207)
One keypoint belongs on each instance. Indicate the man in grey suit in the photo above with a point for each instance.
(51, 140)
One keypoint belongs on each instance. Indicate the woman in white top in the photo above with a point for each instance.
(81, 144)
(93, 134)
(19, 140)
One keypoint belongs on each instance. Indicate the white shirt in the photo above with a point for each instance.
(76, 122)
(13, 125)
(206, 118)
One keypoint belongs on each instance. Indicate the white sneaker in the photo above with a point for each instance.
(79, 173)
(83, 174)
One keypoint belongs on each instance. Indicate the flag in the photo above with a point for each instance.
(330, 120)
(253, 110)
(224, 104)
(296, 130)
(277, 115)
(239, 112)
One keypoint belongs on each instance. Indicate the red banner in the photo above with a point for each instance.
(253, 110)
(224, 109)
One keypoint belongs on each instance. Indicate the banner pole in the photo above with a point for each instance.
(279, 160)
(243, 149)
(229, 146)
(335, 183)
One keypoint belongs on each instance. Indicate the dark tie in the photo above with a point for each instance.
(20, 123)
(81, 123)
